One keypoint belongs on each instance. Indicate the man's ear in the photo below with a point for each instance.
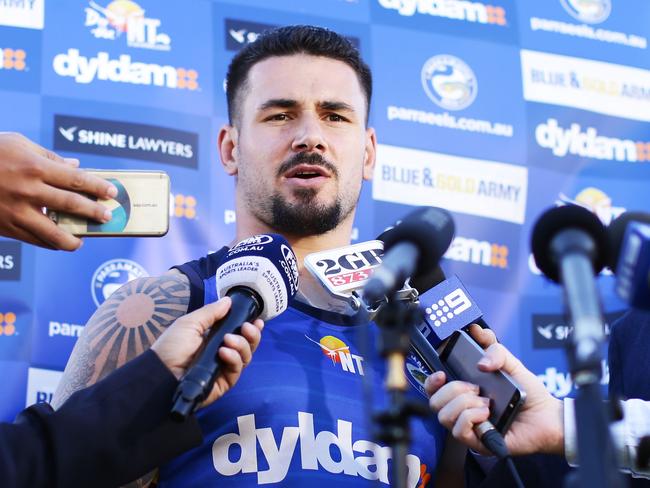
(370, 154)
(228, 145)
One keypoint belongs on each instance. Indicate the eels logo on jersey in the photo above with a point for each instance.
(417, 373)
(339, 353)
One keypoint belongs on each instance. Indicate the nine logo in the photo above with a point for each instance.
(126, 16)
(111, 275)
(449, 82)
(448, 307)
(589, 11)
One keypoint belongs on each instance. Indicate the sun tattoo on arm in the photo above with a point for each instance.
(123, 327)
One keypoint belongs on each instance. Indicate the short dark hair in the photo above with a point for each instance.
(288, 40)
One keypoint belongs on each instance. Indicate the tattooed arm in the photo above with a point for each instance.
(123, 327)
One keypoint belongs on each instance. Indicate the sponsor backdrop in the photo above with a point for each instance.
(494, 111)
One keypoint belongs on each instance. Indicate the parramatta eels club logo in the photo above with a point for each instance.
(111, 275)
(589, 11)
(449, 82)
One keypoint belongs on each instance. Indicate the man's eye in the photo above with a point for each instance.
(335, 118)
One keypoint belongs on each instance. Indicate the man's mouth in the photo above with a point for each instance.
(307, 172)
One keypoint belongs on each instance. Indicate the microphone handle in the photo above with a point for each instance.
(197, 383)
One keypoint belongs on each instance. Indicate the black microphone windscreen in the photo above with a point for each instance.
(426, 280)
(430, 229)
(558, 219)
(616, 232)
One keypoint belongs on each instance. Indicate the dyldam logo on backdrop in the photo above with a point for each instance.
(474, 12)
(480, 252)
(85, 70)
(574, 140)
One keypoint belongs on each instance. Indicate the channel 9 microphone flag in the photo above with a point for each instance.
(260, 275)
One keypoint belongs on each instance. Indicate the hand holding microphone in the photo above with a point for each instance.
(177, 346)
(260, 275)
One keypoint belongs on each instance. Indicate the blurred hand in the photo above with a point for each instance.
(31, 178)
(178, 345)
(537, 428)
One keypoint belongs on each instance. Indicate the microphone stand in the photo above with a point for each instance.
(396, 318)
(596, 457)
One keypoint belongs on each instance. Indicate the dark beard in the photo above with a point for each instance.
(305, 218)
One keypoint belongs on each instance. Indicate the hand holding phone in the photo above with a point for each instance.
(140, 208)
(538, 425)
(32, 177)
(461, 356)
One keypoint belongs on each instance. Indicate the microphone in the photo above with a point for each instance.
(260, 275)
(616, 233)
(346, 270)
(570, 246)
(630, 257)
(411, 248)
(447, 308)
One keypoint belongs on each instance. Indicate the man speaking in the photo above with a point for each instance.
(299, 148)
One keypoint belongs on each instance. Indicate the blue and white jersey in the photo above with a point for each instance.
(300, 414)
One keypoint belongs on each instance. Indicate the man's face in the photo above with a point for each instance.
(300, 148)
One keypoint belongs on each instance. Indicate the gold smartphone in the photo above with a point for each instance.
(140, 209)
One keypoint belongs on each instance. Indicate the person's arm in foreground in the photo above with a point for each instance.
(120, 428)
(543, 425)
(31, 178)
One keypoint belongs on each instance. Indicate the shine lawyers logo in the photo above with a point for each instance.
(238, 33)
(126, 140)
(10, 261)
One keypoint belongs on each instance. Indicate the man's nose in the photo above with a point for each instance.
(309, 135)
